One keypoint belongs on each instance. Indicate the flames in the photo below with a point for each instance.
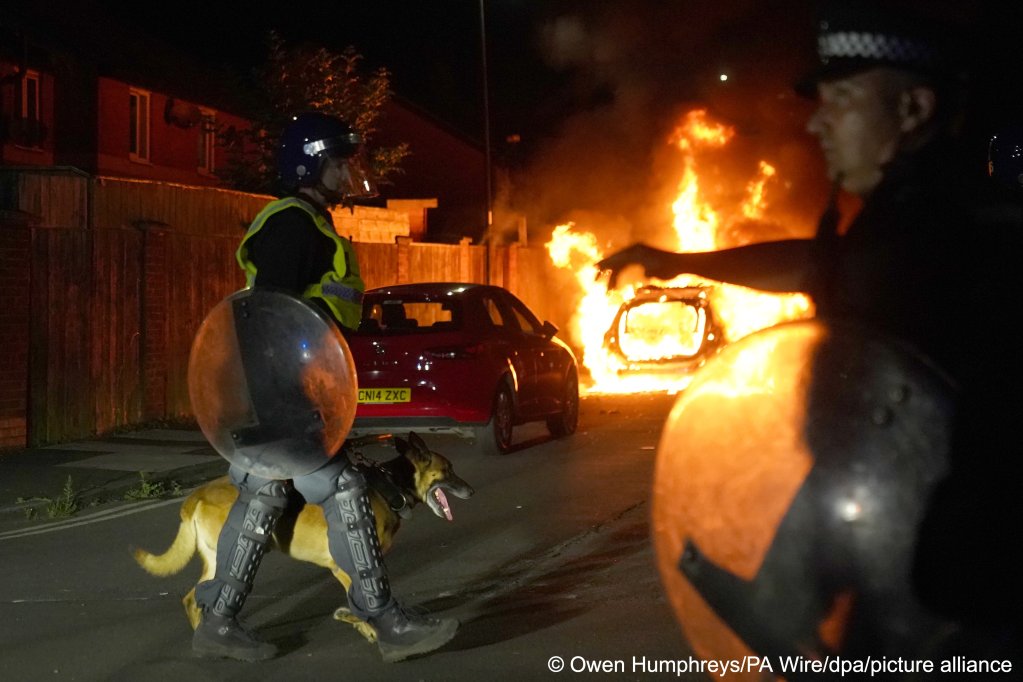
(697, 224)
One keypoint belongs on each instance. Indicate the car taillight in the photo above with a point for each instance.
(460, 352)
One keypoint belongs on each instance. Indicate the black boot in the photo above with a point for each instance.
(224, 636)
(402, 634)
(355, 547)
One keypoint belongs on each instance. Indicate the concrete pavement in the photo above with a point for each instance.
(39, 484)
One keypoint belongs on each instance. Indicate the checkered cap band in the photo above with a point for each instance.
(874, 46)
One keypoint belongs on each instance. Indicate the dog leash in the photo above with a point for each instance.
(377, 477)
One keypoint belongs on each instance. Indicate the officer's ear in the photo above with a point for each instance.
(917, 107)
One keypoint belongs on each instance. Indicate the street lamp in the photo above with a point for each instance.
(486, 144)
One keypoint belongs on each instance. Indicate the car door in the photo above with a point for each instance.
(507, 342)
(540, 361)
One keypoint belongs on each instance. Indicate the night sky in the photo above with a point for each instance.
(433, 49)
(589, 88)
(547, 59)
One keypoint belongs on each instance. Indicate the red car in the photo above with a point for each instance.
(469, 359)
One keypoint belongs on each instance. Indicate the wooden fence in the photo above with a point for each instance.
(104, 282)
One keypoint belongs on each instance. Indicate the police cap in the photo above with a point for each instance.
(854, 36)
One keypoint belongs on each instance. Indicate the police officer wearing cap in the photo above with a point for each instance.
(917, 263)
(888, 96)
(292, 246)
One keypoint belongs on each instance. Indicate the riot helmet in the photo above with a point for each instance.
(312, 139)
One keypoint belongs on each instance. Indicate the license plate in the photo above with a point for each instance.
(385, 395)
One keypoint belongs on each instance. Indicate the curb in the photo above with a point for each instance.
(183, 477)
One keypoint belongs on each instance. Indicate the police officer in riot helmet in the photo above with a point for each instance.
(292, 243)
(922, 262)
(292, 246)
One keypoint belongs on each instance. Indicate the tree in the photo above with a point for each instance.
(308, 78)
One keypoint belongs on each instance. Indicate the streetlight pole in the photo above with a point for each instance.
(486, 144)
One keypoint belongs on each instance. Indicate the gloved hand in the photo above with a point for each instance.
(655, 262)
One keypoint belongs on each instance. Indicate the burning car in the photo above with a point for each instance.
(654, 341)
(664, 329)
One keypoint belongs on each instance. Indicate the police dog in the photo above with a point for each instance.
(416, 475)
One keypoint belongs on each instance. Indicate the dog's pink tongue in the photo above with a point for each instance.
(443, 500)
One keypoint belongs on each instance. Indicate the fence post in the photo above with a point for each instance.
(464, 260)
(512, 277)
(155, 283)
(15, 325)
(403, 246)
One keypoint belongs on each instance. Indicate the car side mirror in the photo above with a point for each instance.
(549, 330)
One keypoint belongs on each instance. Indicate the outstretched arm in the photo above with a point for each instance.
(779, 266)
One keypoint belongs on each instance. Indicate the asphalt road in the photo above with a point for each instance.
(550, 558)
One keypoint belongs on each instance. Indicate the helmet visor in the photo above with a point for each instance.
(345, 145)
(354, 182)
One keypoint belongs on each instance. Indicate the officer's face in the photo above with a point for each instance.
(334, 174)
(857, 122)
(344, 177)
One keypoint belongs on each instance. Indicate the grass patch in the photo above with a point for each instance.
(67, 504)
(182, 423)
(148, 490)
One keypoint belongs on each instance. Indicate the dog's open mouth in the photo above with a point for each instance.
(441, 505)
(437, 496)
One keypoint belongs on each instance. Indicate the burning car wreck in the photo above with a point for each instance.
(664, 329)
(644, 334)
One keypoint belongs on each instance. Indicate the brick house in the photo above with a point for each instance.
(89, 94)
(117, 235)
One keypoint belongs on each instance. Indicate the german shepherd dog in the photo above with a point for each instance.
(416, 475)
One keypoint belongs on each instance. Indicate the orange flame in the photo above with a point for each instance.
(696, 131)
(754, 205)
(738, 311)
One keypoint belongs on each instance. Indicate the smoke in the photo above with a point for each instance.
(634, 68)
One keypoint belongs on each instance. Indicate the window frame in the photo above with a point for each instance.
(494, 312)
(524, 317)
(139, 125)
(29, 110)
(207, 160)
(31, 75)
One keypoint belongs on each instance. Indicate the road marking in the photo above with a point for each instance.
(98, 517)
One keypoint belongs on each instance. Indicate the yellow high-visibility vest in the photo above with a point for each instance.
(340, 288)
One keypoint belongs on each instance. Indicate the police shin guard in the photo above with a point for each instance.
(355, 547)
(243, 542)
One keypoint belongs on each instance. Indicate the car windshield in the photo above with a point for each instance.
(402, 315)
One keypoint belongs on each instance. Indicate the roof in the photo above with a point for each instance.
(53, 30)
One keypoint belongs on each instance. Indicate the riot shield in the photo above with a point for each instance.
(272, 383)
(791, 480)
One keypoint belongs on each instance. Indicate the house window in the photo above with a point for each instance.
(207, 140)
(138, 125)
(30, 96)
(27, 129)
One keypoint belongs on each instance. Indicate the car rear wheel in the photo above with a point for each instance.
(565, 422)
(495, 437)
